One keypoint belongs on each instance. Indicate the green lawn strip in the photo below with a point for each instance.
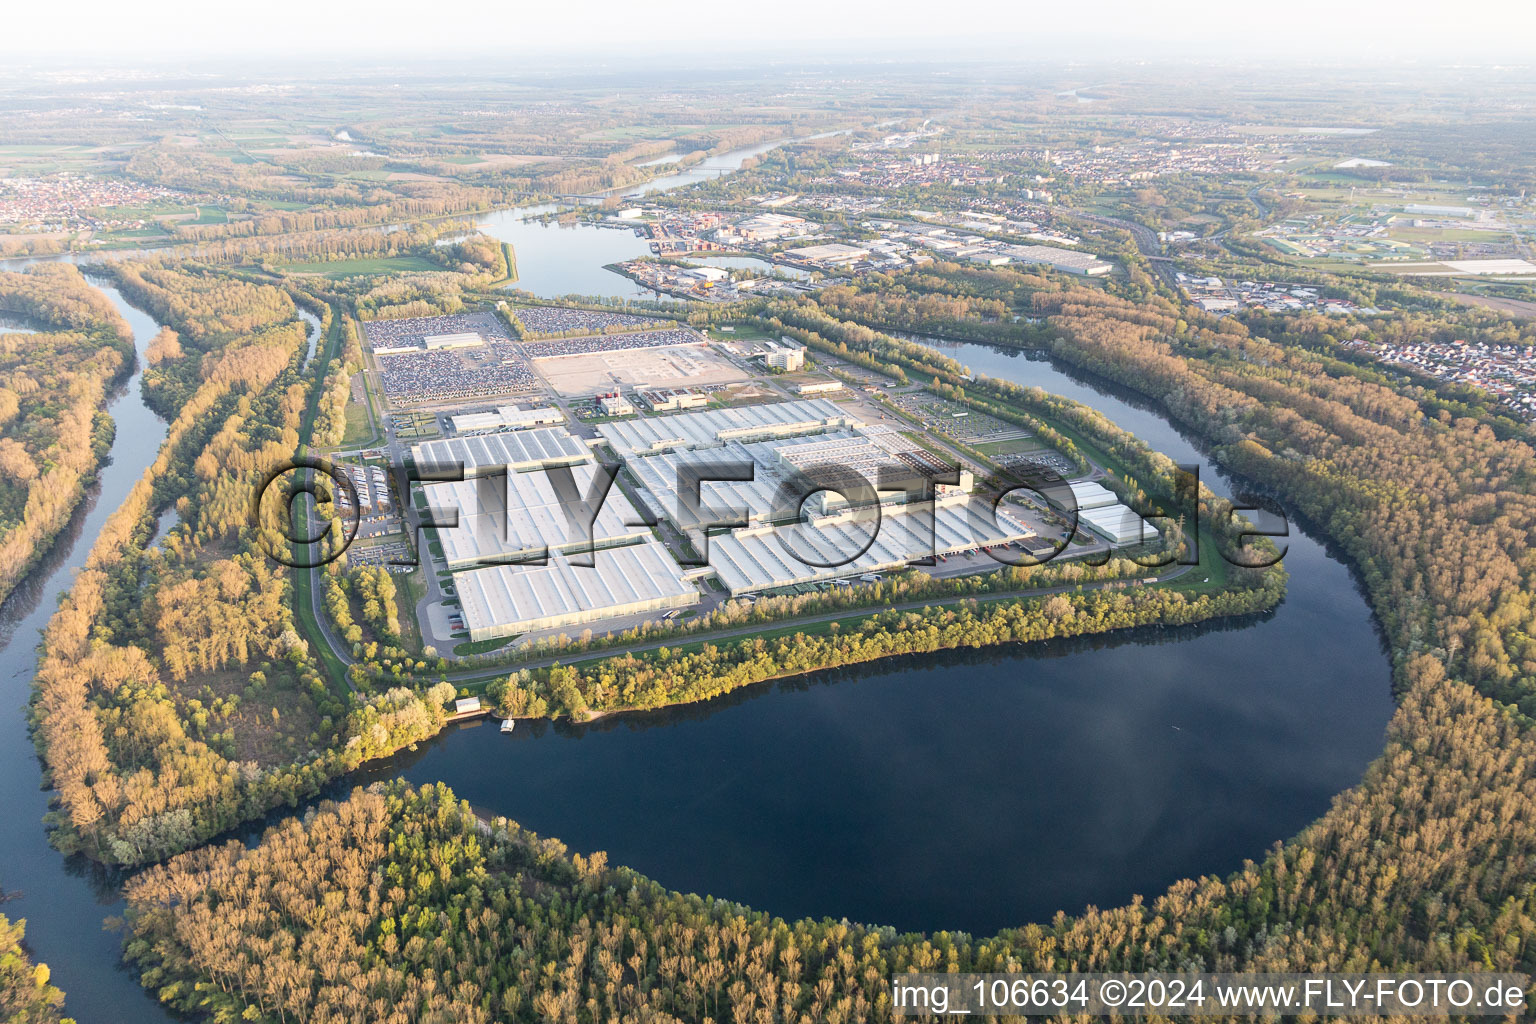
(357, 425)
(303, 582)
(304, 614)
(358, 267)
(473, 647)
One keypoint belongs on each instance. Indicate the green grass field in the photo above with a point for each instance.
(357, 425)
(338, 269)
(471, 647)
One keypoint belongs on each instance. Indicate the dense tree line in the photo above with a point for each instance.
(54, 430)
(894, 588)
(676, 676)
(403, 209)
(214, 313)
(330, 424)
(362, 597)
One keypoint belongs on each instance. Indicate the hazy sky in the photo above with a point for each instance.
(1489, 30)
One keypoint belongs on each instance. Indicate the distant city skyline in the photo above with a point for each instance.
(615, 33)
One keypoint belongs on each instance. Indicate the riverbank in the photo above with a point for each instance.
(64, 900)
(85, 432)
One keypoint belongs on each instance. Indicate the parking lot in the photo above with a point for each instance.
(543, 320)
(594, 373)
(449, 374)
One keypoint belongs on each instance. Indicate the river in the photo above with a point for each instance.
(65, 900)
(312, 340)
(710, 167)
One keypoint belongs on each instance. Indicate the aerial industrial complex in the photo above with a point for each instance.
(642, 470)
(712, 504)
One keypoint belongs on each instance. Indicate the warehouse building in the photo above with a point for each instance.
(671, 399)
(787, 466)
(1091, 495)
(771, 557)
(869, 452)
(748, 501)
(832, 254)
(506, 417)
(1069, 260)
(615, 404)
(521, 517)
(461, 339)
(712, 428)
(505, 600)
(1120, 524)
(514, 452)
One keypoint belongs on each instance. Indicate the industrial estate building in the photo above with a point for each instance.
(856, 542)
(1101, 510)
(715, 427)
(508, 599)
(1069, 260)
(1088, 494)
(670, 399)
(785, 357)
(615, 404)
(520, 556)
(506, 417)
(513, 452)
(520, 517)
(1120, 524)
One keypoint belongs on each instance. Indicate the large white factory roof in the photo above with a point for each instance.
(524, 517)
(1069, 260)
(508, 417)
(1092, 495)
(866, 452)
(506, 599)
(764, 558)
(1120, 524)
(525, 449)
(658, 479)
(712, 427)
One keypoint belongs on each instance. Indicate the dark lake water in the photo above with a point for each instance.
(972, 791)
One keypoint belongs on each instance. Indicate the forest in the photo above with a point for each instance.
(54, 385)
(682, 675)
(175, 696)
